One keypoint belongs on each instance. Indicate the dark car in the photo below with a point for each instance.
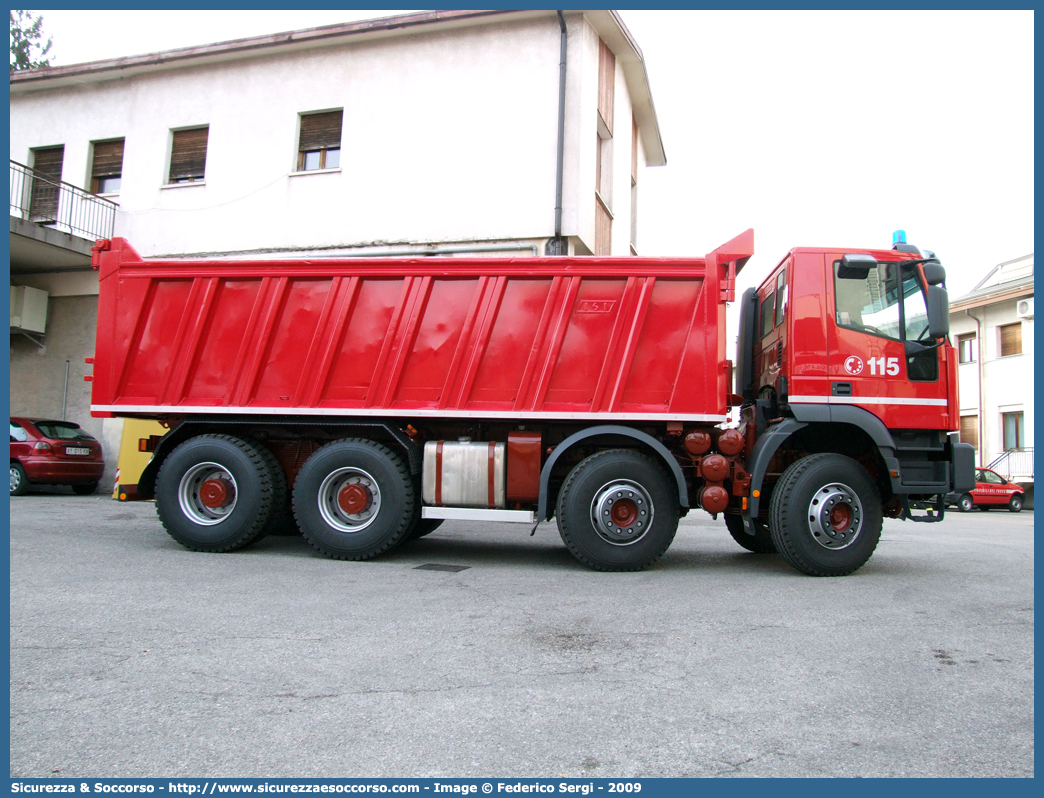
(46, 452)
(991, 490)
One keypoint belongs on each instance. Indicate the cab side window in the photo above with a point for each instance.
(781, 297)
(768, 307)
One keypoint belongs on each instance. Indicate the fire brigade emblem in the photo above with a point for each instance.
(854, 365)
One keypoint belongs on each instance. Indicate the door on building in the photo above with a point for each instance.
(47, 168)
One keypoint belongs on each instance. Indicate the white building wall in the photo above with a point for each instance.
(1007, 381)
(448, 136)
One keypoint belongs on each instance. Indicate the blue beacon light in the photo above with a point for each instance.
(899, 237)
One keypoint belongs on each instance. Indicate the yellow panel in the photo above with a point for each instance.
(132, 462)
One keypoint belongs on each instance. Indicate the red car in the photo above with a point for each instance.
(991, 490)
(53, 453)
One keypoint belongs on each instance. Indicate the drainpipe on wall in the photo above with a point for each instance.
(556, 246)
(980, 344)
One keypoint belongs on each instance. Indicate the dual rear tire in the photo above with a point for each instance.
(617, 511)
(353, 499)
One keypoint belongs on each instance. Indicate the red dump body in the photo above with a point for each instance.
(526, 338)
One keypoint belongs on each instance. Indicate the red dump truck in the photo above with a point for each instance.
(366, 400)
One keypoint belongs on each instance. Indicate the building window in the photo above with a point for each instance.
(1014, 431)
(188, 155)
(970, 430)
(47, 166)
(966, 348)
(1011, 339)
(107, 166)
(320, 141)
(604, 164)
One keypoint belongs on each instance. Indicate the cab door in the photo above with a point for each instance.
(770, 351)
(880, 356)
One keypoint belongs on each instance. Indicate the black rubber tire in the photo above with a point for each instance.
(253, 496)
(790, 520)
(281, 522)
(1015, 504)
(966, 503)
(760, 543)
(390, 522)
(581, 489)
(19, 481)
(85, 489)
(423, 527)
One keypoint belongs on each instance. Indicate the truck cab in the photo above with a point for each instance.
(847, 352)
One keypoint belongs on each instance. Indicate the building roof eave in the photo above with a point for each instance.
(1002, 294)
(612, 30)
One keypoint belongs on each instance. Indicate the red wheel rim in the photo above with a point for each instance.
(624, 512)
(354, 499)
(841, 517)
(216, 493)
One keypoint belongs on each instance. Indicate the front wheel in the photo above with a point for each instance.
(617, 511)
(214, 493)
(826, 515)
(759, 543)
(354, 499)
(1015, 504)
(966, 503)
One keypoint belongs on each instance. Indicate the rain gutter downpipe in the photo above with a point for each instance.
(556, 246)
(980, 345)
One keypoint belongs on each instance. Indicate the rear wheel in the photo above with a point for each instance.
(966, 503)
(826, 515)
(214, 493)
(281, 521)
(85, 489)
(617, 511)
(19, 482)
(423, 527)
(759, 543)
(354, 499)
(1015, 504)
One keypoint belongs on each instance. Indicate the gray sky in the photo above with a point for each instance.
(814, 127)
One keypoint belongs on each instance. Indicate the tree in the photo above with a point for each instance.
(28, 50)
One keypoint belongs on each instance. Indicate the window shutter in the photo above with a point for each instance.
(606, 84)
(1011, 339)
(188, 155)
(970, 430)
(108, 159)
(321, 131)
(49, 162)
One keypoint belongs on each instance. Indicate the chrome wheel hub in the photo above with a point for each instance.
(349, 499)
(835, 516)
(207, 494)
(621, 512)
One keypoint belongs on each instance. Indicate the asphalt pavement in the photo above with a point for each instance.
(131, 656)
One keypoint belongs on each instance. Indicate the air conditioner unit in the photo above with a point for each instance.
(28, 309)
(1024, 309)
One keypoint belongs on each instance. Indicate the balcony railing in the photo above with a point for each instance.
(1014, 464)
(49, 202)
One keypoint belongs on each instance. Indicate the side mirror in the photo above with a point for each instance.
(938, 312)
(856, 267)
(934, 273)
